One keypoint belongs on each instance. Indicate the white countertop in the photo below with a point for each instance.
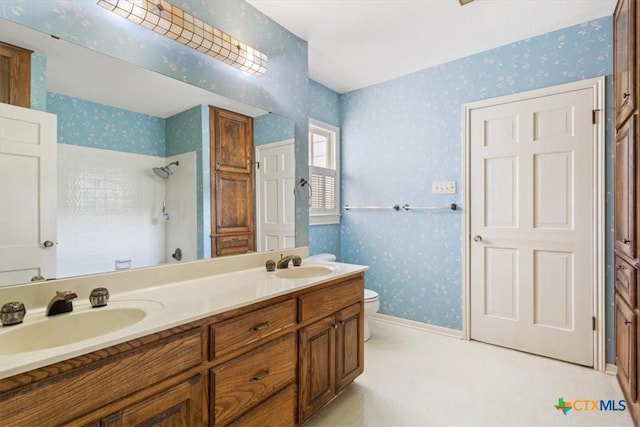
(166, 306)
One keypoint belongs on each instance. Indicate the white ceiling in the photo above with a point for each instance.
(358, 43)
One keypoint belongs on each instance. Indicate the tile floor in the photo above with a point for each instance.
(417, 378)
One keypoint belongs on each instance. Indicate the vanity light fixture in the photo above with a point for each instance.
(164, 18)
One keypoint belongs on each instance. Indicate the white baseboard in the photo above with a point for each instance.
(385, 318)
(611, 369)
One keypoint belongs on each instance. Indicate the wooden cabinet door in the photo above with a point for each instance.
(624, 60)
(232, 137)
(232, 199)
(625, 186)
(316, 366)
(15, 75)
(179, 406)
(233, 203)
(626, 357)
(349, 345)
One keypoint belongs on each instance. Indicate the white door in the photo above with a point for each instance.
(28, 201)
(532, 224)
(275, 199)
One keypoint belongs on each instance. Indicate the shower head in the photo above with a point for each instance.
(164, 172)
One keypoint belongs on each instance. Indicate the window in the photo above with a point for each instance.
(324, 172)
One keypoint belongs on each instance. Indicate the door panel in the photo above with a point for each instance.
(553, 289)
(28, 183)
(275, 206)
(501, 284)
(531, 194)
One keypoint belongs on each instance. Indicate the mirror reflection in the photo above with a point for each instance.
(136, 185)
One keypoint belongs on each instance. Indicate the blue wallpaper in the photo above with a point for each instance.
(399, 136)
(38, 82)
(94, 125)
(324, 105)
(272, 128)
(282, 90)
(189, 131)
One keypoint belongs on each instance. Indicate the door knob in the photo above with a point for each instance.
(48, 244)
(477, 238)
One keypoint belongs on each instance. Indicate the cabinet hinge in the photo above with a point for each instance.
(593, 323)
(593, 116)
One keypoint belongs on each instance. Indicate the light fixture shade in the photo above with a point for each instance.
(164, 18)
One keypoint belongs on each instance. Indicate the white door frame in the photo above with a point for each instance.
(258, 188)
(598, 86)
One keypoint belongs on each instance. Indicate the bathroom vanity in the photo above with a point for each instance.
(271, 352)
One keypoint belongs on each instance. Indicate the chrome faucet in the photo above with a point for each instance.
(283, 262)
(61, 303)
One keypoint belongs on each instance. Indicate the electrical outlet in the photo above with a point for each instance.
(443, 187)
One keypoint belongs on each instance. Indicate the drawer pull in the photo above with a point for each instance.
(627, 322)
(260, 327)
(259, 376)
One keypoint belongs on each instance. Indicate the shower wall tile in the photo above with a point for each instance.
(282, 90)
(94, 125)
(104, 198)
(189, 132)
(181, 206)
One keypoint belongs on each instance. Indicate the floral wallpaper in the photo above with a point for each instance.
(272, 128)
(282, 90)
(39, 82)
(324, 106)
(399, 136)
(94, 125)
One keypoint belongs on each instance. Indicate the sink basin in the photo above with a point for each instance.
(63, 329)
(304, 272)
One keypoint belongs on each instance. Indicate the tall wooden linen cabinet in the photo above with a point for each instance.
(627, 182)
(232, 200)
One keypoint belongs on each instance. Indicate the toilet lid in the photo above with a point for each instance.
(369, 294)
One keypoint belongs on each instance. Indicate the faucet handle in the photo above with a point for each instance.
(297, 261)
(66, 295)
(99, 297)
(12, 313)
(270, 265)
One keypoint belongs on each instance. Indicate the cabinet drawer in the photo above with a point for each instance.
(246, 381)
(626, 281)
(103, 383)
(251, 328)
(278, 411)
(329, 300)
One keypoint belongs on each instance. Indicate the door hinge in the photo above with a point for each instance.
(594, 114)
(593, 322)
(257, 165)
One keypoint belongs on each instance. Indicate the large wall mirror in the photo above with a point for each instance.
(133, 181)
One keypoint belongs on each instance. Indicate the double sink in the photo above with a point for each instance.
(40, 332)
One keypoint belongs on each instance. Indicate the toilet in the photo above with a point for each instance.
(371, 299)
(371, 306)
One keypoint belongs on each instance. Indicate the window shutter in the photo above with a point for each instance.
(323, 186)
